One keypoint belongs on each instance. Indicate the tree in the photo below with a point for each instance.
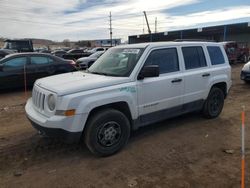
(66, 42)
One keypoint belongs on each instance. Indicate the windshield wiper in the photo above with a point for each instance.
(102, 73)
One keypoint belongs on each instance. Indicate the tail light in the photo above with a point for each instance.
(72, 62)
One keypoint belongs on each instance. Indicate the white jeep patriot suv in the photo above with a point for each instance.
(128, 87)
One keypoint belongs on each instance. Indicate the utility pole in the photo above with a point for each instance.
(156, 25)
(110, 28)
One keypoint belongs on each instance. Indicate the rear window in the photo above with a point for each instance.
(194, 57)
(215, 55)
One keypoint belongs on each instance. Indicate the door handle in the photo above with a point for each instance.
(206, 75)
(176, 80)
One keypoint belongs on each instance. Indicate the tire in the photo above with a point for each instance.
(107, 132)
(214, 103)
(247, 81)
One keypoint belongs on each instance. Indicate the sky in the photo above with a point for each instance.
(89, 19)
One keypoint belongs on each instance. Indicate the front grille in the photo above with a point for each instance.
(38, 98)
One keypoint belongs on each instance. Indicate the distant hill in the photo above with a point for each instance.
(43, 42)
(1, 42)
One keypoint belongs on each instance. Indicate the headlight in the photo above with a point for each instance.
(51, 102)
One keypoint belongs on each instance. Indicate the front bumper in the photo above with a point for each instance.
(67, 137)
(245, 75)
(67, 128)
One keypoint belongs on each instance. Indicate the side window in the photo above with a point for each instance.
(99, 49)
(215, 55)
(77, 51)
(194, 57)
(50, 60)
(39, 60)
(166, 59)
(16, 62)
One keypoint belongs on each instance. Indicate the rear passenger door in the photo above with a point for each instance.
(197, 75)
(159, 97)
(40, 66)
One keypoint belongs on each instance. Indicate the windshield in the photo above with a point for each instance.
(117, 62)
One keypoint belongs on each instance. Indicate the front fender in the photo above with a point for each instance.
(90, 102)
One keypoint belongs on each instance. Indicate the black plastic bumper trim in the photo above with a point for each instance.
(65, 136)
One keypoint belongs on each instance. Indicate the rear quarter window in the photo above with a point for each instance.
(216, 55)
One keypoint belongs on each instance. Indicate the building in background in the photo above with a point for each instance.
(239, 32)
(105, 42)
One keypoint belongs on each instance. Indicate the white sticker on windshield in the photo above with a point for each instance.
(131, 51)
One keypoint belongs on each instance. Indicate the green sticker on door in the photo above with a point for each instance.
(128, 89)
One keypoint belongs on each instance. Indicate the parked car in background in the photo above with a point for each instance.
(86, 62)
(46, 51)
(75, 54)
(235, 52)
(5, 52)
(35, 65)
(98, 49)
(19, 45)
(245, 73)
(58, 53)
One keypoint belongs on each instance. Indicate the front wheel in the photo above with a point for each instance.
(107, 132)
(214, 103)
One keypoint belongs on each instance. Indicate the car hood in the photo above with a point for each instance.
(68, 83)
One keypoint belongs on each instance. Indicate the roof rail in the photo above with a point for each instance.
(193, 40)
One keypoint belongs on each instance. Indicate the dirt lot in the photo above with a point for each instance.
(188, 151)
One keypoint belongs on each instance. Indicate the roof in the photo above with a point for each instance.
(10, 40)
(157, 44)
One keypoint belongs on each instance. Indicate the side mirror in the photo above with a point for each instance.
(149, 71)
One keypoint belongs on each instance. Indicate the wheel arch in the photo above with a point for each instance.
(121, 106)
(222, 86)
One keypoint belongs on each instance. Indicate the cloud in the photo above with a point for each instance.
(203, 18)
(85, 19)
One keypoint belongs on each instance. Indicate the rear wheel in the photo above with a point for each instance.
(214, 103)
(107, 132)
